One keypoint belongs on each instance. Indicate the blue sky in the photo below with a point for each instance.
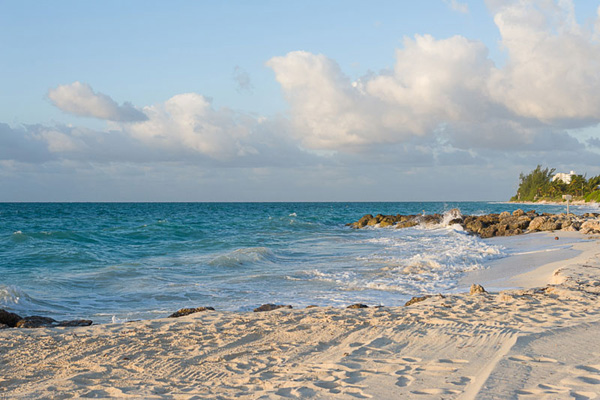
(283, 101)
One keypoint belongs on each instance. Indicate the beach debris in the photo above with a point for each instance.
(4, 326)
(8, 318)
(270, 307)
(188, 311)
(312, 306)
(477, 289)
(357, 305)
(416, 299)
(555, 237)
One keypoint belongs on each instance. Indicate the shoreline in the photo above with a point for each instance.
(540, 341)
(530, 261)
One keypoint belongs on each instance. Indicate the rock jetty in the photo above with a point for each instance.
(490, 225)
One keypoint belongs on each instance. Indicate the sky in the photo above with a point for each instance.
(435, 100)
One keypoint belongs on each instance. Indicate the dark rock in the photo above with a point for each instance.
(9, 318)
(519, 223)
(188, 311)
(35, 321)
(474, 226)
(76, 322)
(590, 226)
(416, 300)
(364, 220)
(431, 219)
(311, 306)
(387, 221)
(549, 226)
(488, 232)
(270, 307)
(536, 223)
(357, 305)
(477, 289)
(406, 224)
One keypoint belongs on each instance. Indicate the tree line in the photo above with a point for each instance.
(538, 185)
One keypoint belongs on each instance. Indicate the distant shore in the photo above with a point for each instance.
(558, 203)
(540, 341)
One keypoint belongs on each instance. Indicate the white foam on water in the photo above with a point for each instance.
(11, 295)
(411, 261)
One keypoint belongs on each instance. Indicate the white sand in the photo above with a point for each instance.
(527, 344)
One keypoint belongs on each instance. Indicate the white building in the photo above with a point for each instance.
(566, 178)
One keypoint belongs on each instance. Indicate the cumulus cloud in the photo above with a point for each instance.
(80, 99)
(551, 81)
(552, 73)
(190, 122)
(329, 111)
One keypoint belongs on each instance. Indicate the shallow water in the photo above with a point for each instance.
(113, 262)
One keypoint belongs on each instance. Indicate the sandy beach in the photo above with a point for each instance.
(539, 342)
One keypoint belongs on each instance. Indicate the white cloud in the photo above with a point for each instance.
(551, 81)
(552, 73)
(80, 99)
(188, 121)
(434, 81)
(458, 6)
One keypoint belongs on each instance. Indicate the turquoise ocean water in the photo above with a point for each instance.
(122, 261)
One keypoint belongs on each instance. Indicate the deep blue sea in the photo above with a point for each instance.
(124, 261)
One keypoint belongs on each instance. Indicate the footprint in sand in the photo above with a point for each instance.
(461, 381)
(595, 369)
(435, 391)
(583, 395)
(404, 380)
(522, 358)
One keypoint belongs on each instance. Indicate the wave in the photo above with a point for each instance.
(12, 295)
(17, 300)
(244, 256)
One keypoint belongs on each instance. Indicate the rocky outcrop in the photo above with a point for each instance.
(416, 299)
(12, 320)
(35, 321)
(188, 311)
(76, 322)
(8, 318)
(270, 307)
(357, 305)
(590, 226)
(490, 225)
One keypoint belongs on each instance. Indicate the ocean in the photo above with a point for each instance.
(113, 262)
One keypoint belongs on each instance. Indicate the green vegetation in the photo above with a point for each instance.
(538, 185)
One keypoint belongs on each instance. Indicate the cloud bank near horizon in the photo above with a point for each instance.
(445, 102)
